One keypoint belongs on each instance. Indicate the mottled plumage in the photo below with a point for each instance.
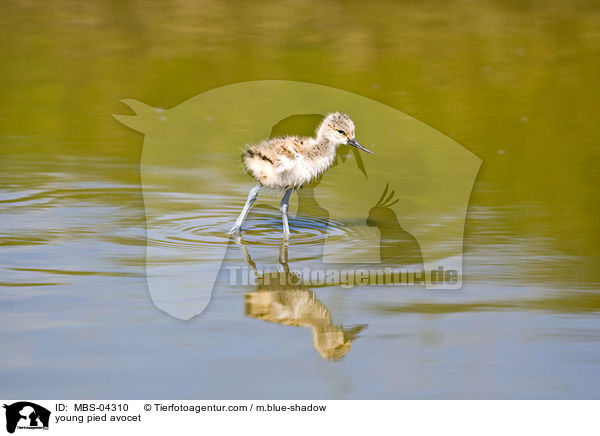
(288, 162)
(291, 161)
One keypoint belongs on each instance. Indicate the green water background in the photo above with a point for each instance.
(516, 83)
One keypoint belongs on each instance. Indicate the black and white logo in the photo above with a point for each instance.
(26, 415)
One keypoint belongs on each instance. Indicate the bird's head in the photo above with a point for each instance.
(338, 129)
(381, 214)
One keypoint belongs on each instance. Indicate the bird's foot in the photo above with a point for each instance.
(234, 231)
(236, 236)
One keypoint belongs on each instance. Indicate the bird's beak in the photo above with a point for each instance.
(355, 143)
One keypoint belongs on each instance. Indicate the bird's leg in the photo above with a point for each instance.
(251, 199)
(285, 202)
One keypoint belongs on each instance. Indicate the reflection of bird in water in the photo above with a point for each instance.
(289, 162)
(281, 298)
(397, 246)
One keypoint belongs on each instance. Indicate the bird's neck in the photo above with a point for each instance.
(322, 154)
(325, 145)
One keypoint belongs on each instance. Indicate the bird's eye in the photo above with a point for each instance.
(341, 132)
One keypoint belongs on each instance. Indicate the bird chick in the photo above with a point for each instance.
(289, 162)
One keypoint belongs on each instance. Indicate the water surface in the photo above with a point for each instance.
(514, 83)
